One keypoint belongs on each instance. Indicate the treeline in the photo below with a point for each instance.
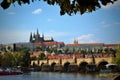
(15, 59)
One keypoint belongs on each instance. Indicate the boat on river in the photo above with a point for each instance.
(9, 71)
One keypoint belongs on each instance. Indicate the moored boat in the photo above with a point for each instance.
(9, 71)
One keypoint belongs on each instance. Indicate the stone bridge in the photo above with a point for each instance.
(75, 61)
(80, 62)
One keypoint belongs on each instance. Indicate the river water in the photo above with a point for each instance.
(53, 76)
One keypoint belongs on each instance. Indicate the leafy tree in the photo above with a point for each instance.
(17, 58)
(33, 58)
(59, 52)
(25, 62)
(116, 59)
(38, 48)
(7, 60)
(1, 59)
(9, 48)
(51, 50)
(67, 50)
(42, 56)
(66, 6)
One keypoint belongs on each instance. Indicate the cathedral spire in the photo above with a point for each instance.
(38, 35)
(31, 37)
(37, 32)
(75, 41)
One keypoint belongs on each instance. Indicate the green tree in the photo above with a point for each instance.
(26, 60)
(33, 58)
(67, 50)
(17, 58)
(1, 59)
(8, 60)
(51, 50)
(38, 48)
(66, 6)
(42, 56)
(116, 59)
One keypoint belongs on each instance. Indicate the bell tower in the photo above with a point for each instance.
(75, 41)
(37, 36)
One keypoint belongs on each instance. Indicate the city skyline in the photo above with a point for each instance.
(100, 26)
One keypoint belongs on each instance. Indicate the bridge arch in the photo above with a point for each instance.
(116, 77)
(42, 64)
(83, 66)
(65, 66)
(101, 65)
(52, 66)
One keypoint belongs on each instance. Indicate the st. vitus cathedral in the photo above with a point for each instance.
(34, 38)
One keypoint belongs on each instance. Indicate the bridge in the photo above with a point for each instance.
(98, 62)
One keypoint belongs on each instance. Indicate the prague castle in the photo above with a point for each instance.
(35, 38)
(41, 40)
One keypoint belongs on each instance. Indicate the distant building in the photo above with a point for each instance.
(43, 41)
(35, 38)
(17, 46)
(95, 47)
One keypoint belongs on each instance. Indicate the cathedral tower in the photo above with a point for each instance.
(75, 41)
(37, 36)
(31, 38)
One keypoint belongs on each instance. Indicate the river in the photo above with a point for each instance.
(53, 76)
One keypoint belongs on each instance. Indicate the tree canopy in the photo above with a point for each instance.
(66, 6)
(116, 59)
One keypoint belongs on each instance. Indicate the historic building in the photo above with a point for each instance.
(88, 47)
(35, 38)
(43, 41)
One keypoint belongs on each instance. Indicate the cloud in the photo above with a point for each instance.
(116, 5)
(37, 11)
(105, 24)
(88, 38)
(11, 13)
(112, 24)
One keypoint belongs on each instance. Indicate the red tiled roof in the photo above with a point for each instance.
(50, 43)
(86, 44)
(110, 45)
(93, 44)
(58, 57)
(36, 54)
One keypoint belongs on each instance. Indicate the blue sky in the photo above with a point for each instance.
(100, 26)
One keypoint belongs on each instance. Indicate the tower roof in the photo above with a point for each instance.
(31, 36)
(37, 32)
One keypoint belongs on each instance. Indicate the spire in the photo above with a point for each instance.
(75, 41)
(37, 32)
(52, 39)
(31, 37)
(38, 35)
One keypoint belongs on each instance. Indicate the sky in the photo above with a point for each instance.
(100, 26)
